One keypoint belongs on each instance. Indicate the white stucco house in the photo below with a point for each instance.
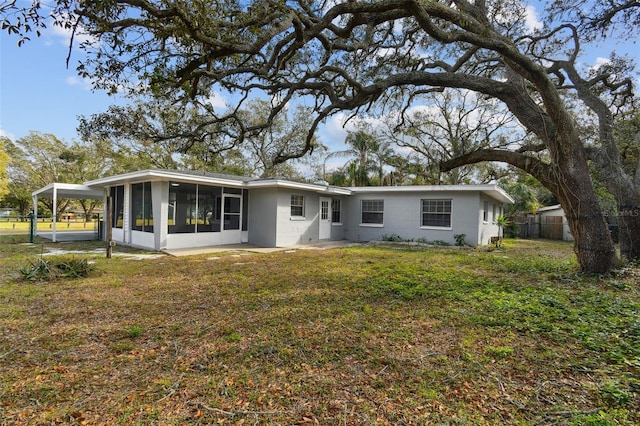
(166, 209)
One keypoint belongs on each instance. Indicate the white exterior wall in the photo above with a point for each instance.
(337, 229)
(160, 200)
(488, 228)
(270, 223)
(261, 225)
(118, 234)
(126, 212)
(403, 215)
(155, 240)
(294, 230)
(188, 240)
(143, 239)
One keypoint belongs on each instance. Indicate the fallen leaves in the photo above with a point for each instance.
(297, 338)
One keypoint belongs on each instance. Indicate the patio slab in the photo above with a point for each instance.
(324, 245)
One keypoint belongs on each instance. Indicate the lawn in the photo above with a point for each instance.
(353, 336)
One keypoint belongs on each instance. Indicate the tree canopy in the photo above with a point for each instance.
(365, 57)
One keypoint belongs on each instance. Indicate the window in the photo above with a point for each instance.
(436, 213)
(335, 211)
(236, 191)
(494, 216)
(245, 209)
(372, 212)
(117, 203)
(141, 207)
(485, 212)
(209, 201)
(297, 206)
(324, 210)
(194, 208)
(182, 208)
(232, 212)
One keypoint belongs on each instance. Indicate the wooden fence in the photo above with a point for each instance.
(534, 226)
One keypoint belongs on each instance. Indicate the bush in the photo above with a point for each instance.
(55, 268)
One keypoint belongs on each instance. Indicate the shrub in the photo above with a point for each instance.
(392, 238)
(460, 242)
(51, 269)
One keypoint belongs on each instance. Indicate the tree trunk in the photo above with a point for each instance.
(592, 241)
(627, 194)
(593, 244)
(629, 231)
(570, 182)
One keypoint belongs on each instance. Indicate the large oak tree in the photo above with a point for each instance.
(358, 56)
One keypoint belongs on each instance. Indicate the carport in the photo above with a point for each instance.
(55, 191)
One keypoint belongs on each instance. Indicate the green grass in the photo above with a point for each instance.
(364, 335)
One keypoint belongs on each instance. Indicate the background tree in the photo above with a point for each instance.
(357, 56)
(455, 122)
(286, 133)
(4, 174)
(528, 194)
(364, 155)
(175, 135)
(38, 160)
(89, 161)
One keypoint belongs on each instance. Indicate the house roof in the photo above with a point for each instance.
(491, 190)
(212, 178)
(163, 174)
(95, 187)
(69, 190)
(550, 208)
(282, 183)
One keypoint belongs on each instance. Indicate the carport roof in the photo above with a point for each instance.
(69, 190)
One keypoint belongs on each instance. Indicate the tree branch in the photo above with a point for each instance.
(534, 166)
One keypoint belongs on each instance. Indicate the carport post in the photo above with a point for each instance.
(54, 215)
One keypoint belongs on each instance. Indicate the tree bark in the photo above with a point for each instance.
(629, 231)
(571, 184)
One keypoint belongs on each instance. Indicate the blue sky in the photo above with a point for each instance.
(39, 93)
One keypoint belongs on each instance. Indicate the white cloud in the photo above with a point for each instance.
(335, 129)
(217, 101)
(83, 83)
(60, 35)
(531, 19)
(600, 61)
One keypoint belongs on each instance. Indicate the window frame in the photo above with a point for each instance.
(117, 206)
(336, 209)
(448, 202)
(371, 211)
(141, 201)
(301, 206)
(485, 212)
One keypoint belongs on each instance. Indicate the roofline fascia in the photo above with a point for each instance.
(160, 175)
(281, 183)
(66, 186)
(492, 189)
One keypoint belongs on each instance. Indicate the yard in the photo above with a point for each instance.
(361, 335)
